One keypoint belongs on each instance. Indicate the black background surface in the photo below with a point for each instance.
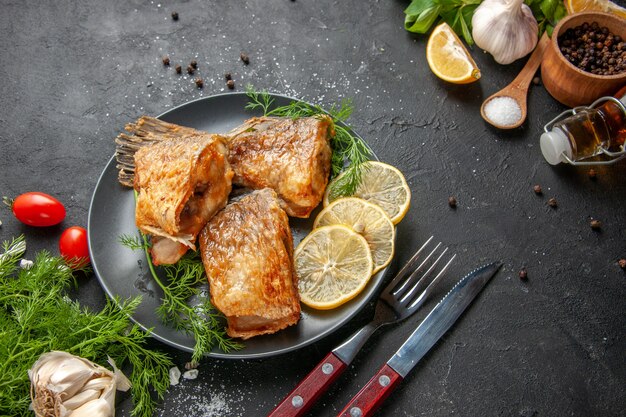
(72, 74)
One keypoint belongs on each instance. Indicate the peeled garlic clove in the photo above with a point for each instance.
(95, 408)
(191, 374)
(81, 398)
(174, 375)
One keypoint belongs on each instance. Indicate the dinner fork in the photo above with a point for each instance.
(402, 297)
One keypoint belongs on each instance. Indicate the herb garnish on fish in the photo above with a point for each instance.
(349, 151)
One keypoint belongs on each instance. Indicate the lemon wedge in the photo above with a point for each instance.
(333, 265)
(368, 220)
(383, 185)
(448, 58)
(575, 6)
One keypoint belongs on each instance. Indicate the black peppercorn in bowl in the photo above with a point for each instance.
(586, 58)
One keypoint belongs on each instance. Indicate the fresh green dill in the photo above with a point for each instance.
(132, 242)
(349, 151)
(184, 306)
(37, 316)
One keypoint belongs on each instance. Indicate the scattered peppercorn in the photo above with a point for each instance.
(523, 274)
(166, 60)
(536, 80)
(228, 76)
(552, 202)
(244, 58)
(194, 64)
(595, 224)
(537, 189)
(175, 16)
(199, 82)
(452, 202)
(230, 84)
(593, 49)
(190, 70)
(622, 263)
(592, 174)
(179, 69)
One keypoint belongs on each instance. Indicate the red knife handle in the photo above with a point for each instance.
(373, 394)
(300, 400)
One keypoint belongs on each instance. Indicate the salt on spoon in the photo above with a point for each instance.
(506, 109)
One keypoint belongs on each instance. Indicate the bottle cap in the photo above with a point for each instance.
(553, 145)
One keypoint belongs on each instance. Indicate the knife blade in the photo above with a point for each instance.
(424, 337)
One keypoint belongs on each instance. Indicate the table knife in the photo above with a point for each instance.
(438, 321)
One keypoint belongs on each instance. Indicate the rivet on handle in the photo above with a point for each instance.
(297, 401)
(384, 380)
(356, 412)
(327, 368)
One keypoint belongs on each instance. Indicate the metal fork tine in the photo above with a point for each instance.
(398, 292)
(409, 294)
(422, 297)
(408, 268)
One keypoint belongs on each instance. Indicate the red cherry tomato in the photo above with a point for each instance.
(74, 247)
(38, 209)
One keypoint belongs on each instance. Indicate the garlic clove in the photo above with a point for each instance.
(70, 377)
(81, 398)
(95, 408)
(99, 384)
(174, 375)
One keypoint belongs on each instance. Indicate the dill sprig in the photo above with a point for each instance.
(36, 317)
(349, 151)
(184, 306)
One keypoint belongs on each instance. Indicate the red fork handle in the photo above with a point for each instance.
(373, 394)
(300, 400)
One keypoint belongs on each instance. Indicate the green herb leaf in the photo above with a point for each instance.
(36, 317)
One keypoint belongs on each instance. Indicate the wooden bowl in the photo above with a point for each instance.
(569, 84)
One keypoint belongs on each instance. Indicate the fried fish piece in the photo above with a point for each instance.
(181, 184)
(292, 157)
(247, 252)
(145, 131)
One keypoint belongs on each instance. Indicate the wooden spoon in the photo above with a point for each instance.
(518, 89)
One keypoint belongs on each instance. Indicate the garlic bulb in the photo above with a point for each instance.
(506, 29)
(64, 385)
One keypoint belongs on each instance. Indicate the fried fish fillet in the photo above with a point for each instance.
(145, 131)
(247, 251)
(292, 157)
(181, 184)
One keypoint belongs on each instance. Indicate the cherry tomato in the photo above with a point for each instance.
(38, 209)
(74, 247)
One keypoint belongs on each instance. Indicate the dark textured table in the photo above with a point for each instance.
(73, 73)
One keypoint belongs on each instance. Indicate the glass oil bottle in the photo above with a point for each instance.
(579, 135)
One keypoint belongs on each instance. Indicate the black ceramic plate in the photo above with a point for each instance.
(124, 272)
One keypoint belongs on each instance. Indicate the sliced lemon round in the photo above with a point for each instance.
(575, 6)
(448, 58)
(383, 185)
(368, 220)
(333, 265)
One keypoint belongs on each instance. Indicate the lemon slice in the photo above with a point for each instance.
(575, 6)
(368, 220)
(382, 185)
(448, 58)
(333, 265)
